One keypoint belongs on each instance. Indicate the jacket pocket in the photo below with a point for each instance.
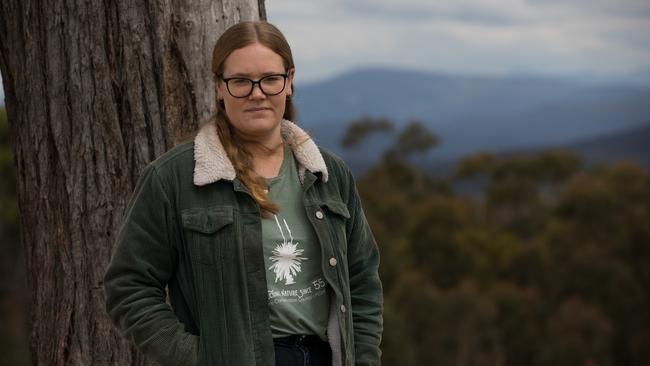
(209, 233)
(337, 207)
(337, 216)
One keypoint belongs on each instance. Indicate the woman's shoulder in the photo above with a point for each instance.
(179, 154)
(175, 162)
(336, 166)
(330, 157)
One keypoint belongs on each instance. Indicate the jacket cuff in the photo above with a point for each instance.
(367, 355)
(180, 349)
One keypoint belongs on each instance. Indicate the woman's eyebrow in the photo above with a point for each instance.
(246, 75)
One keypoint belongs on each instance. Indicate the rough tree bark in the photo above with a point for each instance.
(94, 91)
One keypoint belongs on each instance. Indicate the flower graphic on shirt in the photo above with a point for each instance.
(286, 257)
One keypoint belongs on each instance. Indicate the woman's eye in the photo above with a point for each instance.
(239, 82)
(273, 79)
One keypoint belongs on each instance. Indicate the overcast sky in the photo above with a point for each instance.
(577, 38)
(566, 38)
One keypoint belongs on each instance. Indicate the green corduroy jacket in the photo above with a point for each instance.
(192, 227)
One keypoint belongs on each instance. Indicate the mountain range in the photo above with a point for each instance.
(470, 113)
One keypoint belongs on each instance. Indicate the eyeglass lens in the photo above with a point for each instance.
(243, 87)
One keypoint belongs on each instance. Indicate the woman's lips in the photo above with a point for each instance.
(258, 109)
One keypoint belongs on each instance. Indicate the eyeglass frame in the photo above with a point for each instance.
(257, 82)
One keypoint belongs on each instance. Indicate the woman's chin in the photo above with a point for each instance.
(261, 127)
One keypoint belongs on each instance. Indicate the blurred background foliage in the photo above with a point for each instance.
(517, 259)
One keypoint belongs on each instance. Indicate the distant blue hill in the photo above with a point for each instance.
(470, 113)
(629, 145)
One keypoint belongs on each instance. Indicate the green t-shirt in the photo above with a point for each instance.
(297, 291)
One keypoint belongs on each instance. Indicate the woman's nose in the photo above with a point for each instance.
(257, 92)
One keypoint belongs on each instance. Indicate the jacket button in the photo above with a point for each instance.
(343, 308)
(332, 262)
(319, 215)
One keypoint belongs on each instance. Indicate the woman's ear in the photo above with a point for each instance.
(217, 89)
(291, 73)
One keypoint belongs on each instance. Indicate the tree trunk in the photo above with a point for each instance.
(95, 91)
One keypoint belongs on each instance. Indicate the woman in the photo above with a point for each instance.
(258, 235)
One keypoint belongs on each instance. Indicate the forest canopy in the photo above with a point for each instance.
(543, 262)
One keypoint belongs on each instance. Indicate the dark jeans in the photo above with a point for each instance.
(300, 350)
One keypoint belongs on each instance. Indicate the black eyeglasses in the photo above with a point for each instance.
(240, 87)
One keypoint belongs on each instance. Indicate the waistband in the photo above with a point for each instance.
(300, 339)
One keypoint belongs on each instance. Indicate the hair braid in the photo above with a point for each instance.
(243, 163)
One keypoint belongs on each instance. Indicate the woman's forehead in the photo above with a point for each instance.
(251, 60)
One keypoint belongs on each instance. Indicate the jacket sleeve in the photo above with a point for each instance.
(142, 264)
(365, 286)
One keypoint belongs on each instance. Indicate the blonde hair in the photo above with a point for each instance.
(238, 36)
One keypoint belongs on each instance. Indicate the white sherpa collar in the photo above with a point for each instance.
(212, 163)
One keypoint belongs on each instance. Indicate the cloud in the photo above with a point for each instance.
(509, 11)
(624, 8)
(600, 37)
